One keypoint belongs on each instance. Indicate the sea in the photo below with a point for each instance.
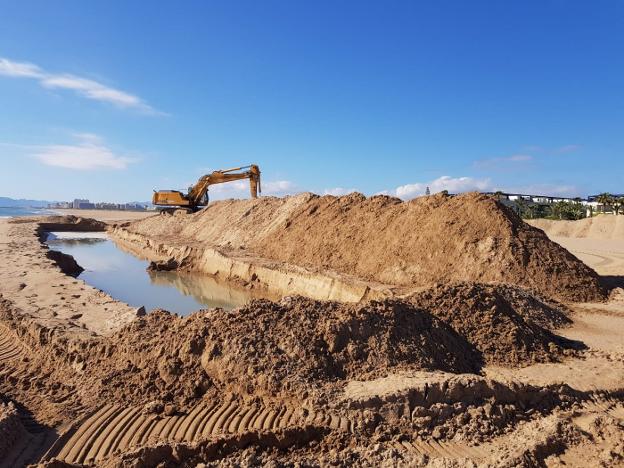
(16, 211)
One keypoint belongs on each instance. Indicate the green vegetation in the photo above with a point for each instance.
(610, 201)
(559, 210)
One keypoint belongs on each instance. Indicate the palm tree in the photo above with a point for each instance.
(605, 199)
(616, 203)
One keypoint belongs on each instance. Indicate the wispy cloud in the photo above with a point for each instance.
(554, 190)
(337, 191)
(89, 153)
(469, 184)
(85, 87)
(278, 187)
(502, 163)
(452, 184)
(240, 189)
(567, 149)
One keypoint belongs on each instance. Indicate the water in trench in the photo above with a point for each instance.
(124, 277)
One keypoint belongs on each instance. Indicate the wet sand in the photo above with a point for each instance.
(106, 215)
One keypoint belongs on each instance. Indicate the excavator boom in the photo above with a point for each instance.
(197, 195)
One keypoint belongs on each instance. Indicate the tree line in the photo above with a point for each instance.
(569, 210)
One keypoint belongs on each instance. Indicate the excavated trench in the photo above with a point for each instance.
(275, 278)
(103, 264)
(207, 414)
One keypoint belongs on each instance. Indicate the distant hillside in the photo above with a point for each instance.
(12, 202)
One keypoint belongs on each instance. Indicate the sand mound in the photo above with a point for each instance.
(424, 241)
(11, 428)
(301, 340)
(598, 227)
(63, 223)
(287, 348)
(504, 323)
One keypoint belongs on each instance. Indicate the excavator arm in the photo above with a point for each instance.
(197, 193)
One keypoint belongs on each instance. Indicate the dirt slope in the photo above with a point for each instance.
(599, 227)
(424, 241)
(502, 322)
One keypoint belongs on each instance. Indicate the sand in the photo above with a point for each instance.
(385, 240)
(601, 227)
(474, 370)
(598, 242)
(105, 215)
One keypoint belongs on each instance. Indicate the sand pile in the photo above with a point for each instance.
(64, 223)
(287, 348)
(424, 241)
(11, 428)
(507, 325)
(599, 227)
(301, 341)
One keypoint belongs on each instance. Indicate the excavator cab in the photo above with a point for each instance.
(197, 196)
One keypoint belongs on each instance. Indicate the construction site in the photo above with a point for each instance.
(441, 331)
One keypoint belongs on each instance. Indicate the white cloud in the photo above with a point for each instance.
(469, 184)
(276, 187)
(85, 87)
(337, 191)
(240, 189)
(90, 153)
(452, 184)
(20, 70)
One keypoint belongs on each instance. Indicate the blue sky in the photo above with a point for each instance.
(112, 99)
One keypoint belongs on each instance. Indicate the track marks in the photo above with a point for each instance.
(606, 404)
(10, 346)
(114, 428)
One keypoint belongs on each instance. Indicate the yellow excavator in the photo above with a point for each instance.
(197, 196)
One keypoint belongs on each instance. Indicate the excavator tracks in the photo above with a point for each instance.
(10, 347)
(115, 428)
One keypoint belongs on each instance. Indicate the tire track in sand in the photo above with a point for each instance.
(10, 346)
(606, 403)
(115, 428)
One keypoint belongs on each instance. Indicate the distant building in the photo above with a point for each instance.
(78, 202)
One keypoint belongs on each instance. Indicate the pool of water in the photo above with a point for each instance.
(124, 277)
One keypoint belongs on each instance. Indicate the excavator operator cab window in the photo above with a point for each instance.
(204, 199)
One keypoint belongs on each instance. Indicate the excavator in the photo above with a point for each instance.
(197, 196)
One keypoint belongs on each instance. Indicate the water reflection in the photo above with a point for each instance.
(205, 289)
(124, 277)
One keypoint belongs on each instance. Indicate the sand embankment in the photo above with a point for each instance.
(598, 241)
(105, 215)
(601, 227)
(408, 381)
(380, 239)
(33, 280)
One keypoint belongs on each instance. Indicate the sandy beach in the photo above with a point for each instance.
(435, 350)
(106, 215)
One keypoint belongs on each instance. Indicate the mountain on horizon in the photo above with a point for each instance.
(22, 202)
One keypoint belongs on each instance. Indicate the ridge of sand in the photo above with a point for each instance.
(273, 383)
(427, 240)
(598, 227)
(33, 281)
(598, 242)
